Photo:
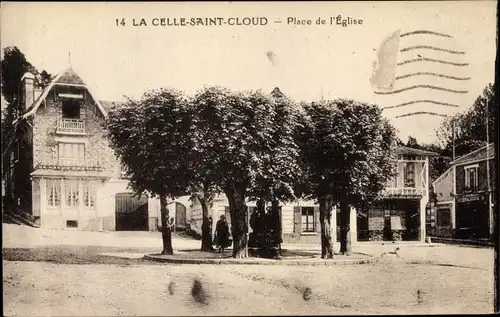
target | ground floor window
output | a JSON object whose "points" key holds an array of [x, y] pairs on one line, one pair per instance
{"points": [[443, 218], [72, 195], [89, 193], [72, 192], [308, 223], [54, 192]]}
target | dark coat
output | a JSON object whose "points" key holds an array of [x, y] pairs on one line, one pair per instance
{"points": [[222, 234]]}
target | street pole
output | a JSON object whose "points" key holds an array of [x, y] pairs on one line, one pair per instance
{"points": [[246, 233], [490, 211], [453, 128]]}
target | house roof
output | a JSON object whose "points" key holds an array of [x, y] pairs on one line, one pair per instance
{"points": [[70, 77], [67, 77], [477, 155], [107, 105], [277, 93], [404, 150], [440, 178]]}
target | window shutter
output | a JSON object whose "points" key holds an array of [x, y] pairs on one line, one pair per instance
{"points": [[316, 219], [297, 219], [81, 151]]}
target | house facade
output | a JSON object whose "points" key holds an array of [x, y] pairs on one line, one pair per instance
{"points": [[465, 199], [63, 174], [399, 216], [442, 216]]}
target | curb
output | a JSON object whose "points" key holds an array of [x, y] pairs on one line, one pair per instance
{"points": [[463, 242], [231, 261]]}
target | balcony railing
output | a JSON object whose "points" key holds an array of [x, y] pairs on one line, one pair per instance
{"points": [[70, 164], [71, 126], [404, 192]]}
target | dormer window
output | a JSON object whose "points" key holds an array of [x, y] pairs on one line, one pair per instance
{"points": [[70, 108]]}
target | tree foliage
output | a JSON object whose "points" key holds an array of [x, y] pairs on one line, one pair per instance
{"points": [[347, 150], [470, 126], [244, 138], [279, 156], [13, 66], [151, 137]]}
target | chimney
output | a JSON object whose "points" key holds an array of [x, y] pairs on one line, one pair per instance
{"points": [[28, 88]]}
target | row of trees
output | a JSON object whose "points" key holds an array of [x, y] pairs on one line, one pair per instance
{"points": [[253, 146]]}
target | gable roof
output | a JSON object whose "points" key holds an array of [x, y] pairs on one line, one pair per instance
{"points": [[477, 155], [67, 77], [277, 93], [70, 77], [440, 178], [107, 105], [404, 150]]}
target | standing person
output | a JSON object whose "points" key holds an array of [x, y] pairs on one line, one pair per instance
{"points": [[222, 234]]}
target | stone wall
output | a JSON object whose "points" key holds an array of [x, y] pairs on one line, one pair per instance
{"points": [[45, 139]]}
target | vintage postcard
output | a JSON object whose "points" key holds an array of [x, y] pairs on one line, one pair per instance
{"points": [[246, 158]]}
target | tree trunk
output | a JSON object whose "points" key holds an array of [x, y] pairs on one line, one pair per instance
{"points": [[278, 233], [275, 209], [261, 205], [166, 230], [239, 226], [206, 227], [325, 217], [345, 229]]}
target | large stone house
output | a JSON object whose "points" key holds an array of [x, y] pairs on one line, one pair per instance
{"points": [[63, 174], [464, 206]]}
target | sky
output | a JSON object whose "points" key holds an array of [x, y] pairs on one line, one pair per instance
{"points": [[307, 62]]}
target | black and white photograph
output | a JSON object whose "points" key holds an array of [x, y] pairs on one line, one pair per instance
{"points": [[249, 158]]}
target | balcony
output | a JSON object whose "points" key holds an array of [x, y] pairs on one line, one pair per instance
{"points": [[70, 126], [70, 164]]}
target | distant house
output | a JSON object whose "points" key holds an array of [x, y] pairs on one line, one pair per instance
{"points": [[441, 216], [464, 206], [63, 174]]}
